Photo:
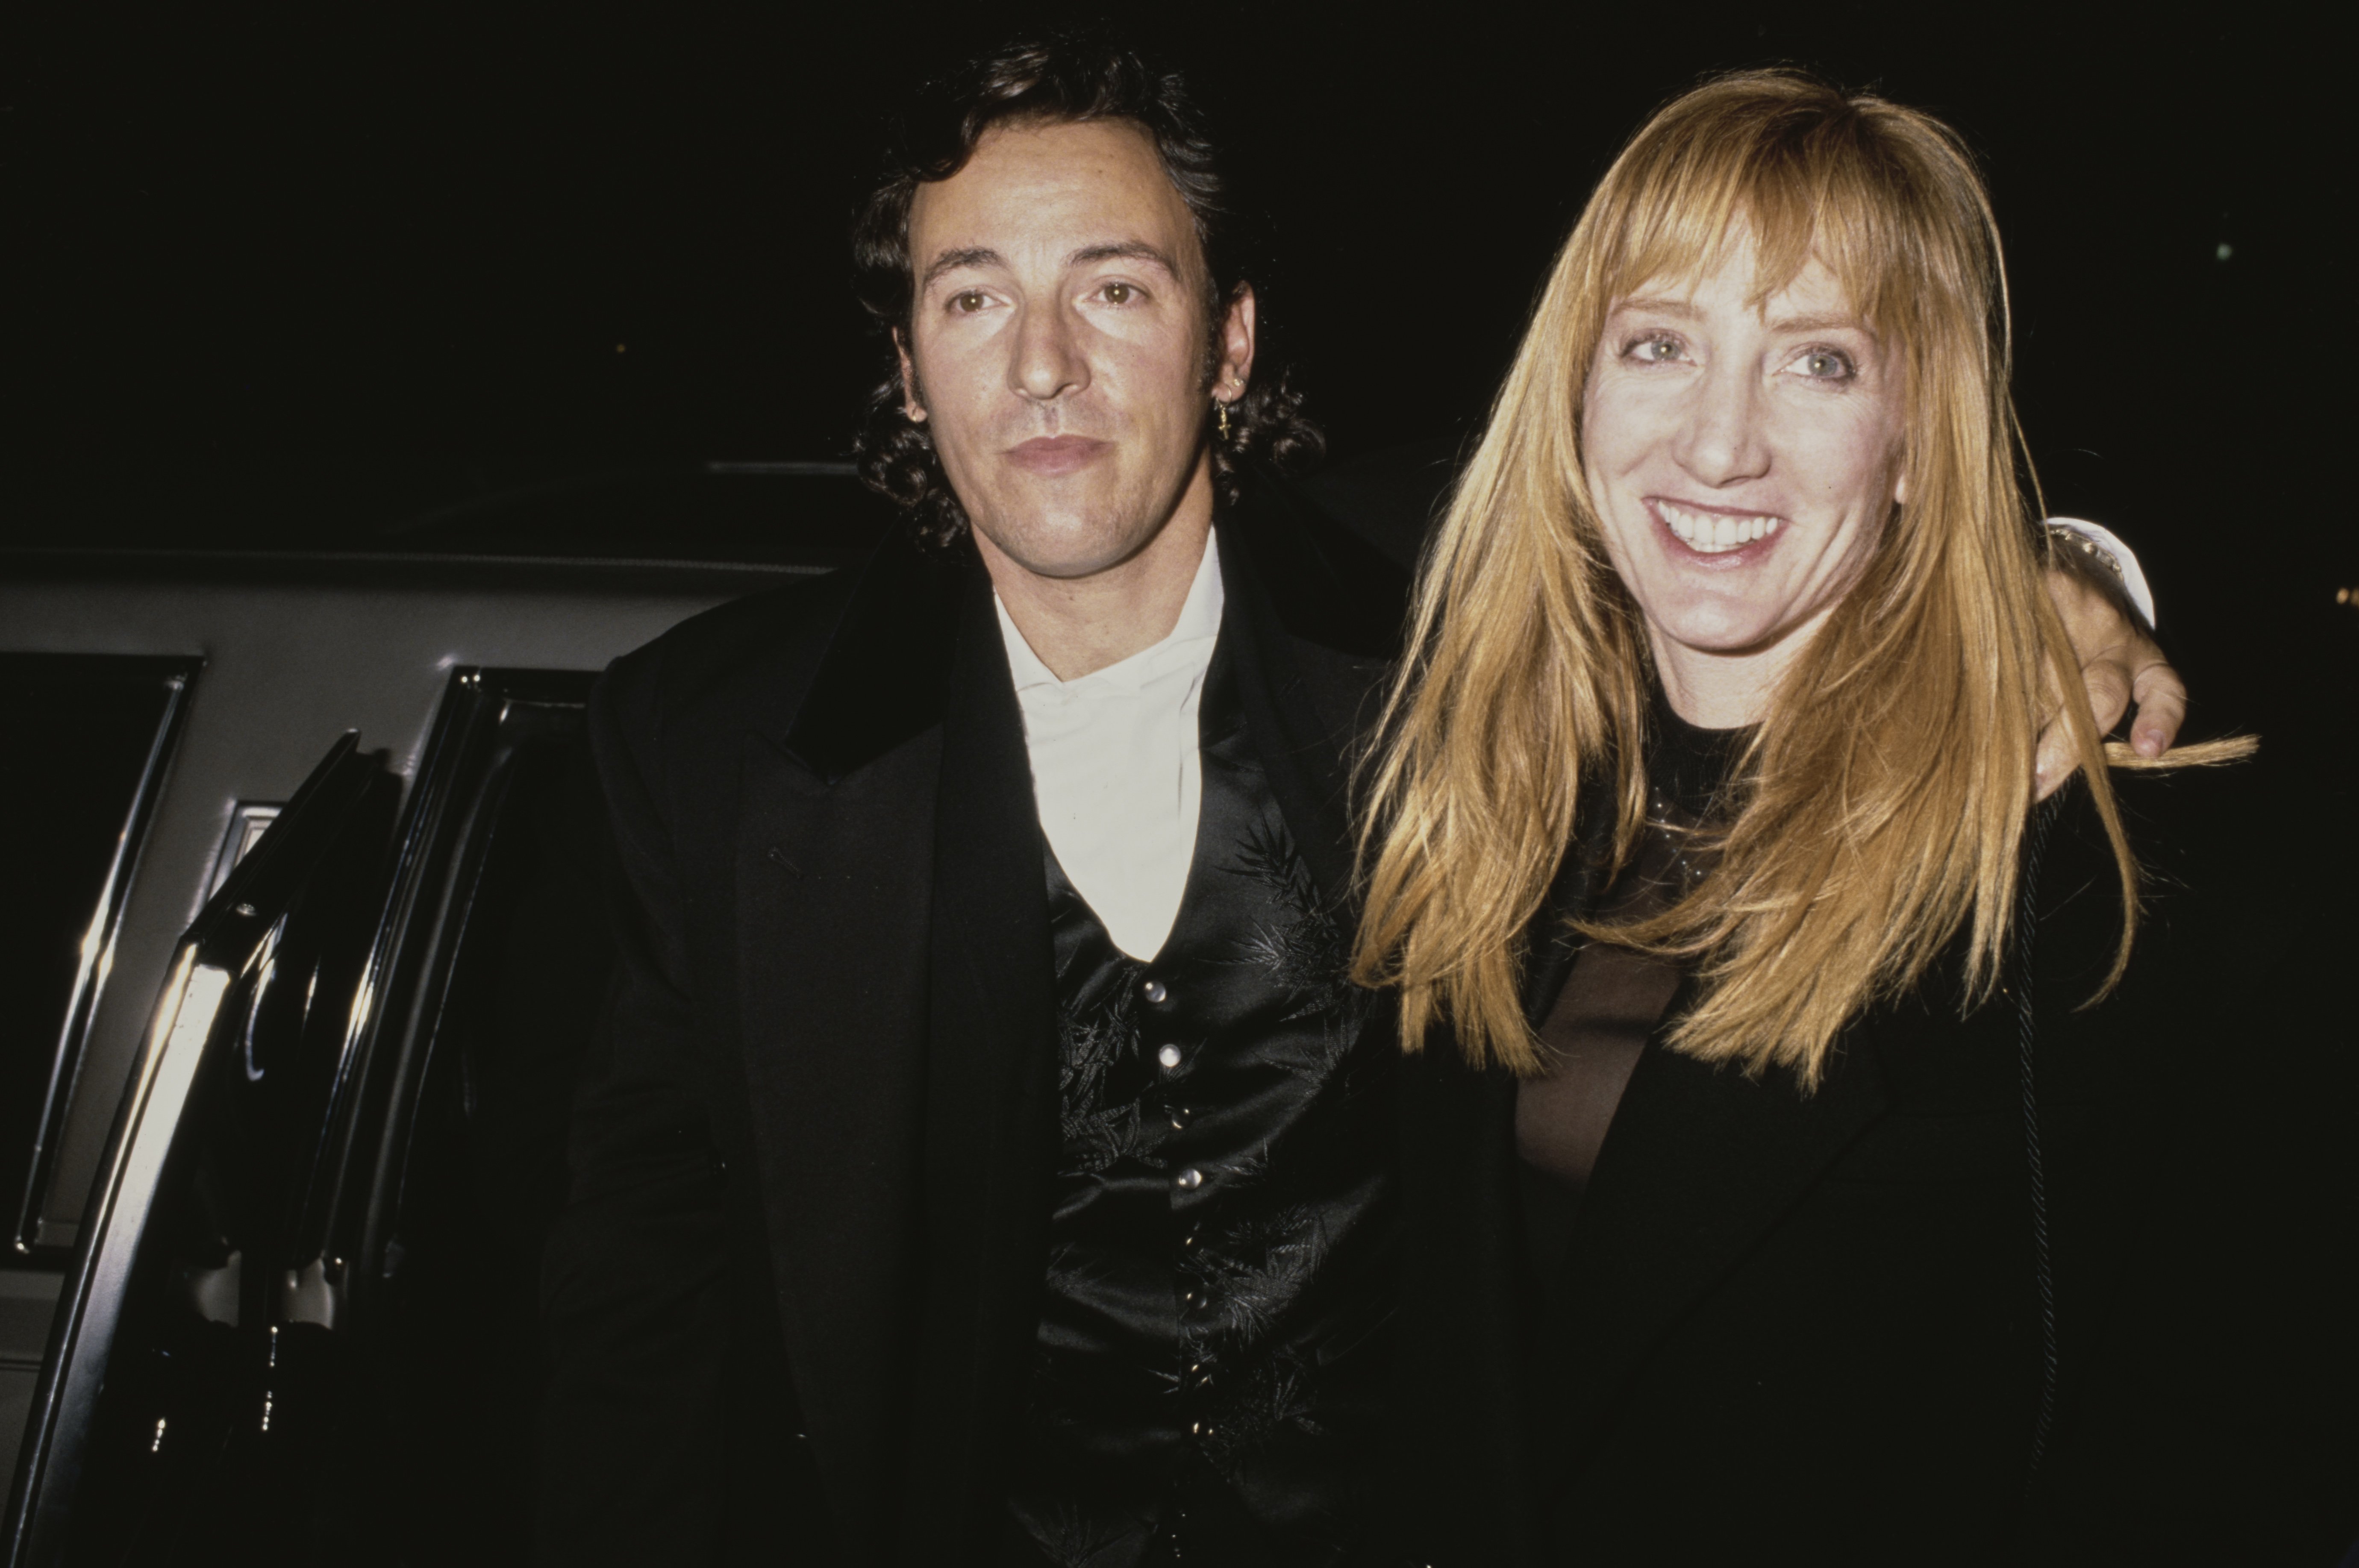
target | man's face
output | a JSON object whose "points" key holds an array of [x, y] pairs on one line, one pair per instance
{"points": [[1056, 349]]}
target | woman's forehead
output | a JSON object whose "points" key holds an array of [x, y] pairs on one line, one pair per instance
{"points": [[1775, 279]]}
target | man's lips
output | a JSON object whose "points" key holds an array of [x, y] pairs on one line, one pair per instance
{"points": [[1717, 535], [1057, 454]]}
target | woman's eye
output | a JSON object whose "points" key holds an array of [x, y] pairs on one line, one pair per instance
{"points": [[1826, 364], [1653, 351]]}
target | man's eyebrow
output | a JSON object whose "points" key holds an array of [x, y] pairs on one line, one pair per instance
{"points": [[1124, 250], [950, 261]]}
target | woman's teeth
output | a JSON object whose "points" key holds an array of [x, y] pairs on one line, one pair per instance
{"points": [[1713, 532]]}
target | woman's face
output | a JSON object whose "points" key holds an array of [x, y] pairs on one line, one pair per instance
{"points": [[1743, 462]]}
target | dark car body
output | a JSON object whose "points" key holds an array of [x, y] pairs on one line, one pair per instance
{"points": [[308, 933]]}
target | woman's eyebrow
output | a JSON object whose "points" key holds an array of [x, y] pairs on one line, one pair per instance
{"points": [[1823, 323], [1661, 304]]}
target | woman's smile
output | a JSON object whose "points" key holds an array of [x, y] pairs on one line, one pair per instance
{"points": [[1719, 536]]}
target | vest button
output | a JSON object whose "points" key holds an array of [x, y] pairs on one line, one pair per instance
{"points": [[1169, 1056], [1155, 991], [1190, 1179]]}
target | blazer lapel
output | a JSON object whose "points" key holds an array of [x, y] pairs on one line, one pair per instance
{"points": [[1465, 1390], [833, 897], [1698, 1163], [1314, 621], [991, 1084]]}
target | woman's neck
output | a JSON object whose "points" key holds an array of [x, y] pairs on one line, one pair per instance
{"points": [[1716, 690]]}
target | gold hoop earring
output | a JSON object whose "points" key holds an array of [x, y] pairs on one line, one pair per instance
{"points": [[1220, 411]]}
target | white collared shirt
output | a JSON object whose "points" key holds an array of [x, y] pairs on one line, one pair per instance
{"points": [[1117, 772]]}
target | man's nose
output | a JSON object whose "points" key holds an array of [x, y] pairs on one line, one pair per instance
{"points": [[1725, 436], [1048, 363]]}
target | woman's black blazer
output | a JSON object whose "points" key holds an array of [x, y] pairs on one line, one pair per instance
{"points": [[2033, 1281]]}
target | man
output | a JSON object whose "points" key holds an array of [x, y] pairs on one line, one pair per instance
{"points": [[981, 1159]]}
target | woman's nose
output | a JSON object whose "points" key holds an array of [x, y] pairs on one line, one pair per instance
{"points": [[1724, 437], [1049, 364]]}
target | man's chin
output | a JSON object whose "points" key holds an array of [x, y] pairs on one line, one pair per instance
{"points": [[1066, 541]]}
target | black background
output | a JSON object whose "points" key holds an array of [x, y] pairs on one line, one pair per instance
{"points": [[288, 279]]}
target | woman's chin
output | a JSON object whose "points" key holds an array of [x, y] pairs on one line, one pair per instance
{"points": [[1713, 633]]}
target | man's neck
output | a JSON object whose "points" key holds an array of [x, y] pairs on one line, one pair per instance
{"points": [[1080, 625]]}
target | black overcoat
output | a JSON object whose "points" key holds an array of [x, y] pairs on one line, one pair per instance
{"points": [[795, 1287], [1820, 1327]]}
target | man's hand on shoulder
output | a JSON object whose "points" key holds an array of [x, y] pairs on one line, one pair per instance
{"points": [[2121, 665]]}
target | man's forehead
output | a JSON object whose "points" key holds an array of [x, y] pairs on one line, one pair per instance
{"points": [[1040, 191]]}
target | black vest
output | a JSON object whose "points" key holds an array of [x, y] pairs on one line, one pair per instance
{"points": [[1208, 1372]]}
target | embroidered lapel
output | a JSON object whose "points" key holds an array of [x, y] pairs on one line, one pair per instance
{"points": [[1314, 621]]}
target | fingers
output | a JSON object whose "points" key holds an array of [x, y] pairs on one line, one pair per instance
{"points": [[2054, 762], [2161, 698], [2108, 680], [2121, 666], [2107, 676]]}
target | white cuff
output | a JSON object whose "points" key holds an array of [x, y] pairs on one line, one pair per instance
{"points": [[2105, 539]]}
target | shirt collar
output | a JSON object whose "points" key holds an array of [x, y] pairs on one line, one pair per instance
{"points": [[1189, 644]]}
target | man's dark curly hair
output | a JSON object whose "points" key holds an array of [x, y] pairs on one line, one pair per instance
{"points": [[1067, 79]]}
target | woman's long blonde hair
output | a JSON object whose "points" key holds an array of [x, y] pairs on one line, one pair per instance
{"points": [[1885, 796]]}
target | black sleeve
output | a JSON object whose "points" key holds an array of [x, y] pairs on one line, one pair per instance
{"points": [[2213, 1418], [636, 1288]]}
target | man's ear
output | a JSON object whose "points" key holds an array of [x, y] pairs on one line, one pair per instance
{"points": [[1237, 329], [911, 404]]}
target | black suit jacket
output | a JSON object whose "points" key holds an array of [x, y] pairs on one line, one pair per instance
{"points": [[1809, 1328], [793, 1293]]}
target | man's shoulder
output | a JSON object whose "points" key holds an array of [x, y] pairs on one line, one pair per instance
{"points": [[1329, 587], [730, 662]]}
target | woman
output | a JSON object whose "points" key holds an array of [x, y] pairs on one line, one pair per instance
{"points": [[1764, 1175]]}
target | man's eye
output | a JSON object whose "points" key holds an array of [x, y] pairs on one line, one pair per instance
{"points": [[967, 303], [1118, 293]]}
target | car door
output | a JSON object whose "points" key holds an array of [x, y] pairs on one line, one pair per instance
{"points": [[450, 1165], [309, 1288], [186, 1392]]}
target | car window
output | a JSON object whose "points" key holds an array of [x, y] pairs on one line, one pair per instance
{"points": [[84, 741]]}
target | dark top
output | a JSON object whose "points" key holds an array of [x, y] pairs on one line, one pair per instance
{"points": [[1615, 997], [1208, 1364]]}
